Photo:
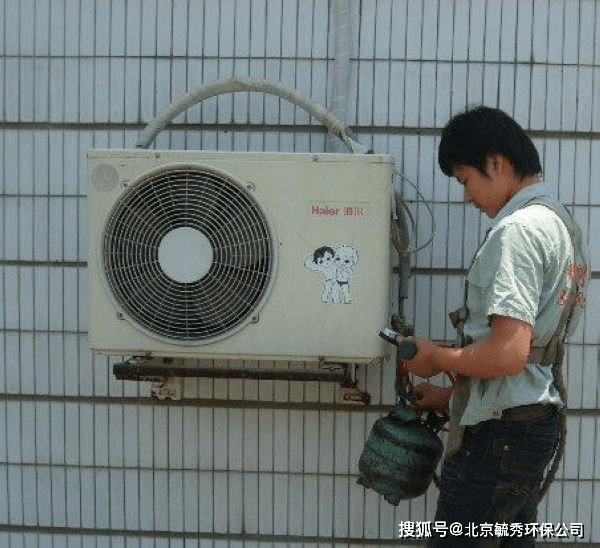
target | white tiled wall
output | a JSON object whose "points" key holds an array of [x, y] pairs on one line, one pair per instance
{"points": [[86, 460]]}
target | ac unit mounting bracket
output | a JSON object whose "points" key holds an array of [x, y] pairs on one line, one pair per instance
{"points": [[160, 370]]}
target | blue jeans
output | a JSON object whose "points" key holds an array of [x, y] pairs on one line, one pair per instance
{"points": [[494, 478]]}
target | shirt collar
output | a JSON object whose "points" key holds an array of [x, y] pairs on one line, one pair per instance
{"points": [[524, 195]]}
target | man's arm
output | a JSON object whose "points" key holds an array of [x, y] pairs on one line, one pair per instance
{"points": [[503, 352]]}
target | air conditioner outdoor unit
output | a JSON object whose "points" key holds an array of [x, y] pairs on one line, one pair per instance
{"points": [[239, 255]]}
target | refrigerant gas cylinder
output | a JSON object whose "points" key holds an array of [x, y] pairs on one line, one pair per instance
{"points": [[400, 456]]}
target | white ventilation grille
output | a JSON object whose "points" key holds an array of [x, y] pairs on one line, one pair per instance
{"points": [[188, 253]]}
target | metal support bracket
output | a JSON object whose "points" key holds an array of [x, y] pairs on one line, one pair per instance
{"points": [[167, 376]]}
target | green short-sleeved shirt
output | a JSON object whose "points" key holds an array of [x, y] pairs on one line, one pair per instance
{"points": [[523, 270]]}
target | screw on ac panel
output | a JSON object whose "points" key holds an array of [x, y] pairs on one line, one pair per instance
{"points": [[120, 316], [250, 186], [254, 319]]}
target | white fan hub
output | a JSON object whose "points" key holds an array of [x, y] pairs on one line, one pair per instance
{"points": [[185, 255]]}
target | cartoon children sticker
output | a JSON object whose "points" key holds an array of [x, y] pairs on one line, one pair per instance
{"points": [[338, 268], [322, 261]]}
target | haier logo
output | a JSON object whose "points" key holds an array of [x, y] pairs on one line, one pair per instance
{"points": [[336, 210]]}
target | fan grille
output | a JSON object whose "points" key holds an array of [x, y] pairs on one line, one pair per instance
{"points": [[221, 210]]}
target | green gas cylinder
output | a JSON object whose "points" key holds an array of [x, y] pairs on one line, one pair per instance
{"points": [[400, 455]]}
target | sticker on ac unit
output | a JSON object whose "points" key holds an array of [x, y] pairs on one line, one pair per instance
{"points": [[338, 266]]}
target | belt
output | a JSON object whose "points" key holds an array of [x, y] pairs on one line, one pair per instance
{"points": [[523, 413]]}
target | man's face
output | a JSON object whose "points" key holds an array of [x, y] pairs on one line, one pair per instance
{"points": [[485, 191]]}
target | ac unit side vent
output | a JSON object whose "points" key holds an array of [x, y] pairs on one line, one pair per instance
{"points": [[210, 220]]}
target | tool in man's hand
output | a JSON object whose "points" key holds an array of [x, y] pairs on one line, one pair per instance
{"points": [[407, 348]]}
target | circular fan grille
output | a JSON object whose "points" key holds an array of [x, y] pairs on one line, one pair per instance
{"points": [[186, 215]]}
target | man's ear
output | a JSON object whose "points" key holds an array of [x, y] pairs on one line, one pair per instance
{"points": [[495, 163], [499, 164]]}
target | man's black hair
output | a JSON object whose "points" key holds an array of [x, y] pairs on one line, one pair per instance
{"points": [[470, 136]]}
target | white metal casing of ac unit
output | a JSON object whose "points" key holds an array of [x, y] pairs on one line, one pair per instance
{"points": [[311, 202]]}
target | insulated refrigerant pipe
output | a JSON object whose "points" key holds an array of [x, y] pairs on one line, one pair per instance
{"points": [[341, 65], [236, 83]]}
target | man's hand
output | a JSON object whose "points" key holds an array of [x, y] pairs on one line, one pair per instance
{"points": [[422, 363], [430, 396]]}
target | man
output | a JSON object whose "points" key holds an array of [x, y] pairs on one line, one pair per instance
{"points": [[505, 409]]}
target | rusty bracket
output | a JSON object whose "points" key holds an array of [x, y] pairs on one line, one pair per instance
{"points": [[160, 370]]}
